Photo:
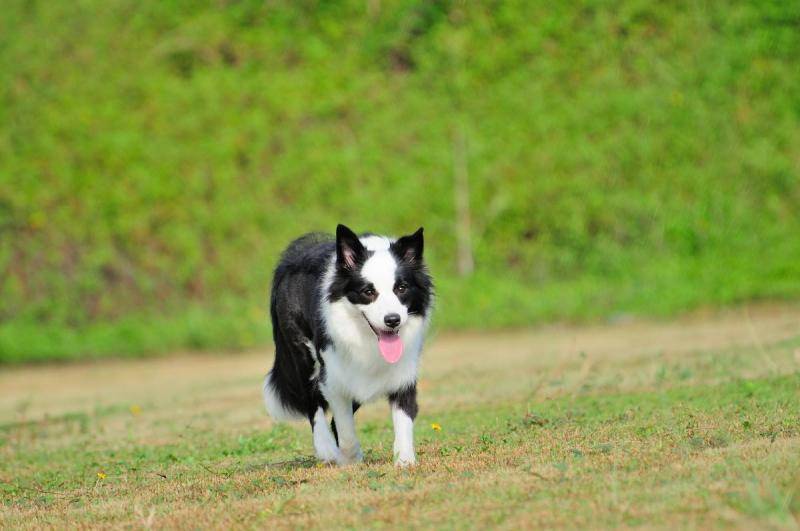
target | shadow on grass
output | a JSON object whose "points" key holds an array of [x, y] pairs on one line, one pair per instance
{"points": [[303, 461], [309, 461]]}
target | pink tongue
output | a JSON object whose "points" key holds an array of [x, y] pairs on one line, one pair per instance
{"points": [[391, 346]]}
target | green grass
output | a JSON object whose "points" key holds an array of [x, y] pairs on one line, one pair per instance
{"points": [[155, 157], [230, 327], [669, 435]]}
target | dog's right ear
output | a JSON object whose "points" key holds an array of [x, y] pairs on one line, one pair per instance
{"points": [[409, 248], [349, 250]]}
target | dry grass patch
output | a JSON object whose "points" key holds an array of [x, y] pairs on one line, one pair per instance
{"points": [[692, 424]]}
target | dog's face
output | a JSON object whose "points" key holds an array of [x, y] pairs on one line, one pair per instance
{"points": [[385, 281]]}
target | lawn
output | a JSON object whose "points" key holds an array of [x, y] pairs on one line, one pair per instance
{"points": [[689, 423]]}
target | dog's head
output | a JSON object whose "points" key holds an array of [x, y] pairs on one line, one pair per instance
{"points": [[385, 280]]}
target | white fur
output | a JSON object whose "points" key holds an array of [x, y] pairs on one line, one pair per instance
{"points": [[376, 243], [342, 409], [380, 270], [274, 405], [363, 379], [354, 367], [313, 351], [324, 443], [403, 438]]}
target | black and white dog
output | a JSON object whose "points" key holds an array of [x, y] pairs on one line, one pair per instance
{"points": [[348, 317]]}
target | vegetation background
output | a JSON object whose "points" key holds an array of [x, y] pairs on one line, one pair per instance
{"points": [[625, 157]]}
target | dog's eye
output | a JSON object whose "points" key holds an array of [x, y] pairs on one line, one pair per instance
{"points": [[368, 292], [401, 288]]}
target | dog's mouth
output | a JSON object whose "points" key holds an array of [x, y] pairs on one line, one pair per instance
{"points": [[390, 344]]}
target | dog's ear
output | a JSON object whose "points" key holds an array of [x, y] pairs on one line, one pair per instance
{"points": [[349, 250], [409, 248]]}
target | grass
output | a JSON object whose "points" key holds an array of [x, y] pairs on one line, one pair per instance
{"points": [[693, 423], [156, 157]]}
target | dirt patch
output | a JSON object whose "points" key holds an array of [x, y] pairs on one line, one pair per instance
{"points": [[450, 360]]}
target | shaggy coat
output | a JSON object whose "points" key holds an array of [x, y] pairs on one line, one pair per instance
{"points": [[349, 317]]}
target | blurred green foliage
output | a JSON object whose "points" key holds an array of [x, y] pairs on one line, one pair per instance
{"points": [[155, 157]]}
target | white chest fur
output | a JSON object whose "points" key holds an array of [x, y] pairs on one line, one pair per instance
{"points": [[354, 367]]}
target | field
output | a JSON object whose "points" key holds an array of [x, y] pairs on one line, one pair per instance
{"points": [[690, 423]]}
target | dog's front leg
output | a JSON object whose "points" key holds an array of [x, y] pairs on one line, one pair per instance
{"points": [[346, 429], [324, 444], [404, 411]]}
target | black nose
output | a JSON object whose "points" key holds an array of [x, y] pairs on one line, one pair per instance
{"points": [[392, 320]]}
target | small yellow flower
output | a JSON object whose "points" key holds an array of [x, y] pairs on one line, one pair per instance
{"points": [[436, 427], [136, 410], [101, 475]]}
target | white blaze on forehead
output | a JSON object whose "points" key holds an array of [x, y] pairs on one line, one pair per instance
{"points": [[376, 243], [380, 269]]}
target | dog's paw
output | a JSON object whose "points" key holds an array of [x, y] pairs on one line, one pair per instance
{"points": [[330, 456], [405, 461], [326, 450], [351, 455]]}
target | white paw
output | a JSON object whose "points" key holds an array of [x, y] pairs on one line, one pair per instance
{"points": [[325, 447], [351, 454], [405, 460], [329, 455]]}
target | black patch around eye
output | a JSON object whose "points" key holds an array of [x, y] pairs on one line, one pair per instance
{"points": [[349, 283], [418, 285], [353, 286], [369, 293], [358, 292]]}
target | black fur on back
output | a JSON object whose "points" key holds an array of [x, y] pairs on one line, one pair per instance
{"points": [[295, 311]]}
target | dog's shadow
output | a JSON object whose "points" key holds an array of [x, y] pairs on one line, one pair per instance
{"points": [[303, 461], [309, 461]]}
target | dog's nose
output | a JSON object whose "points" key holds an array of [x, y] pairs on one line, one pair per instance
{"points": [[392, 320]]}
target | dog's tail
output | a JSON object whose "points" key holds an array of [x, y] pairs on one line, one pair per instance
{"points": [[275, 405]]}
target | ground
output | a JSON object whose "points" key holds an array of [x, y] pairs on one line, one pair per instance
{"points": [[688, 423]]}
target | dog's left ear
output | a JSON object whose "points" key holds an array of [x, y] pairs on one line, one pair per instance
{"points": [[349, 250], [409, 248]]}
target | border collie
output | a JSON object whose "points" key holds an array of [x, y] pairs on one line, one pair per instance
{"points": [[348, 318]]}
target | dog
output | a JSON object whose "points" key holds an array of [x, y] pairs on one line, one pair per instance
{"points": [[349, 316]]}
